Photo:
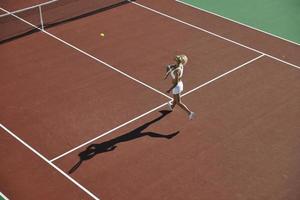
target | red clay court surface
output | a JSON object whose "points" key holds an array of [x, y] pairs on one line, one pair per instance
{"points": [[12, 6], [94, 132]]}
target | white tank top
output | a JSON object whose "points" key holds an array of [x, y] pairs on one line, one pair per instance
{"points": [[179, 69]]}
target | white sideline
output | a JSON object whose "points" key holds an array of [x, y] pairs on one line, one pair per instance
{"points": [[106, 133], [218, 77], [214, 34], [28, 8], [46, 160], [204, 10], [150, 111], [3, 196], [89, 55], [72, 46]]}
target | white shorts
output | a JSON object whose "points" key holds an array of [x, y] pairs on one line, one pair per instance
{"points": [[178, 89]]}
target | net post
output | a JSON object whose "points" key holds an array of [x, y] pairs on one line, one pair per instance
{"points": [[41, 17]]}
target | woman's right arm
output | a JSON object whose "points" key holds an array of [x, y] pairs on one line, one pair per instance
{"points": [[169, 69]]}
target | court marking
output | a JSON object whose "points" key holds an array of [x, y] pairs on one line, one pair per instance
{"points": [[89, 55], [218, 77], [178, 1], [214, 34], [152, 110], [108, 132], [29, 8], [50, 163], [40, 155], [251, 27], [3, 196]]}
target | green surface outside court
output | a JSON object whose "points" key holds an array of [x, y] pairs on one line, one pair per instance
{"points": [[1, 197], [278, 17]]}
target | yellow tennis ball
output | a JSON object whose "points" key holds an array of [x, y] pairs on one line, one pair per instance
{"points": [[102, 34]]}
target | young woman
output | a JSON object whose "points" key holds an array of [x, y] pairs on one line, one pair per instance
{"points": [[176, 71]]}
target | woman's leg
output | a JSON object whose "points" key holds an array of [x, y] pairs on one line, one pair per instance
{"points": [[174, 101], [184, 107]]}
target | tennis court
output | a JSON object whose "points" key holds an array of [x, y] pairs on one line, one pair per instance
{"points": [[84, 116]]}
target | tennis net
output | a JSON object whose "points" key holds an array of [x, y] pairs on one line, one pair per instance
{"points": [[49, 14]]}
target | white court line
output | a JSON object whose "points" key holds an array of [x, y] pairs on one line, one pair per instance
{"points": [[108, 132], [211, 33], [3, 196], [106, 64], [50, 162], [218, 77], [89, 55], [28, 8], [256, 29], [150, 111], [46, 160]]}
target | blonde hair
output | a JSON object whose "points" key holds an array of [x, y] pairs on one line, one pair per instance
{"points": [[181, 59]]}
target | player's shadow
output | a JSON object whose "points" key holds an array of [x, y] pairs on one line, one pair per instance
{"points": [[110, 145]]}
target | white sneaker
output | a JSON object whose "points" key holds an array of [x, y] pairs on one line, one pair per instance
{"points": [[191, 116], [170, 106]]}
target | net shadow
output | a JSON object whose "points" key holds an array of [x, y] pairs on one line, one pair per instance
{"points": [[64, 12]]}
